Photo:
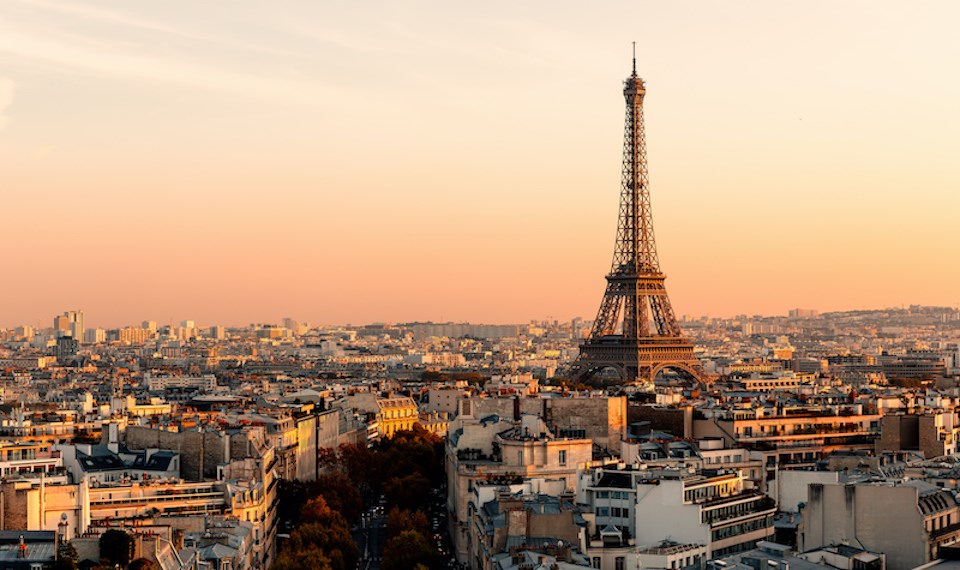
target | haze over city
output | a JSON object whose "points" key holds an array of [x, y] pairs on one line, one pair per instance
{"points": [[356, 162], [376, 286]]}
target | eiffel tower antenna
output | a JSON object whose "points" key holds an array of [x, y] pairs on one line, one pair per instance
{"points": [[636, 332]]}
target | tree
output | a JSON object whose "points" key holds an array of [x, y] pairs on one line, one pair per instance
{"points": [[399, 520], [361, 465], [292, 496], [415, 450], [116, 547], [333, 539], [340, 494], [358, 462], [316, 510], [407, 550], [308, 559], [66, 556], [325, 529], [406, 492]]}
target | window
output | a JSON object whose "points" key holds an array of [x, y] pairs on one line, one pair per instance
{"points": [[619, 563], [563, 457], [520, 457], [596, 562]]}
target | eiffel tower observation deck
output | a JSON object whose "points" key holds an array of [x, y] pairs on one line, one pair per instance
{"points": [[636, 332]]}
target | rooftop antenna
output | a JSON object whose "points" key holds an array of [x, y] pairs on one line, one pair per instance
{"points": [[634, 58]]}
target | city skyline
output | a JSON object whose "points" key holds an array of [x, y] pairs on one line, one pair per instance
{"points": [[178, 322], [431, 163]]}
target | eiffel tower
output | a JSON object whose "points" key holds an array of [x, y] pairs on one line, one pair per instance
{"points": [[647, 339]]}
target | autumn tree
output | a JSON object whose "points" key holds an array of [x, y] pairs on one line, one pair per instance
{"points": [[308, 559], [399, 520], [337, 489], [406, 492], [413, 451], [340, 494], [326, 530], [407, 550], [358, 462]]}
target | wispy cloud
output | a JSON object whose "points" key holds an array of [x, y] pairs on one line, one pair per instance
{"points": [[119, 20], [96, 40], [6, 99], [161, 69]]}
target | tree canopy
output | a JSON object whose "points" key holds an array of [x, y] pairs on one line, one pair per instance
{"points": [[116, 547]]}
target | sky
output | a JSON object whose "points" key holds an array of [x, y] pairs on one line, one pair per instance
{"points": [[354, 162]]}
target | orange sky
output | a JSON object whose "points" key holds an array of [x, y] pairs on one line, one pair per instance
{"points": [[356, 162]]}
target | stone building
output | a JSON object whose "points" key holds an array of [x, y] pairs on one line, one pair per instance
{"points": [[511, 517], [489, 449], [602, 419], [907, 521], [933, 434]]}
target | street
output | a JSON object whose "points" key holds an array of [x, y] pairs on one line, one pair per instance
{"points": [[369, 535]]}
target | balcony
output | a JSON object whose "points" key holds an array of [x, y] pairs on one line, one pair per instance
{"points": [[744, 505], [185, 498], [812, 433]]}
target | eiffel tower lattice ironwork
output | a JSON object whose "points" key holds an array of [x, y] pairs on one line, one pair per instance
{"points": [[647, 339]]}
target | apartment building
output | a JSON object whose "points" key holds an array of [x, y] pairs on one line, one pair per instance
{"points": [[707, 507], [27, 460], [536, 514], [934, 433], [908, 521], [796, 437], [677, 507], [490, 449], [396, 414]]}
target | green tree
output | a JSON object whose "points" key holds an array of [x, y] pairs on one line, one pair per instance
{"points": [[116, 547], [66, 557]]}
